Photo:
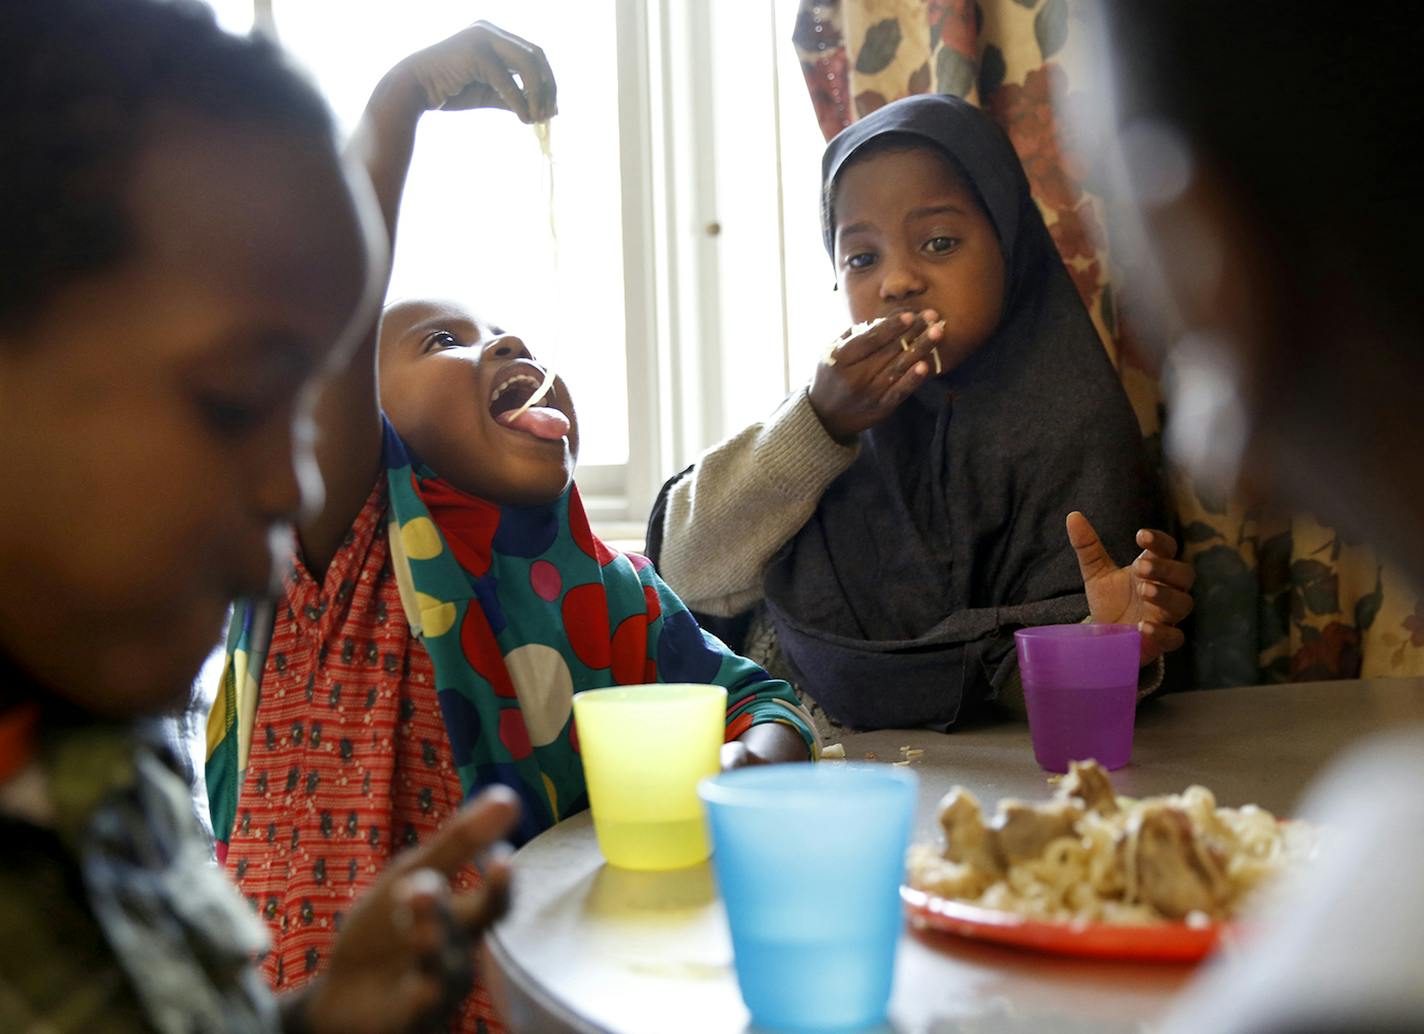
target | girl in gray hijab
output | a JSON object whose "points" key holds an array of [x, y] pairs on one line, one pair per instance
{"points": [[902, 515]]}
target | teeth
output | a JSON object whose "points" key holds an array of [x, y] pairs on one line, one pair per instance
{"points": [[518, 378]]}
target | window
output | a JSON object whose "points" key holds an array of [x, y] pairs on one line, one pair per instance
{"points": [[688, 289], [752, 175]]}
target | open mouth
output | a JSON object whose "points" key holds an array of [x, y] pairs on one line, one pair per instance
{"points": [[511, 393], [509, 404]]}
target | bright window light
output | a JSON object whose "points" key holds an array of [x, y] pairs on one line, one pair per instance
{"points": [[475, 222], [233, 15]]}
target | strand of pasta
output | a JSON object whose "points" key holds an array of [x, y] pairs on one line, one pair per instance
{"points": [[542, 134]]}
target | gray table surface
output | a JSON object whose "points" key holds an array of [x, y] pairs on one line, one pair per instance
{"points": [[588, 947]]}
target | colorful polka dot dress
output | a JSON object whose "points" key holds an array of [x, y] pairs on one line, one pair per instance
{"points": [[438, 655]]}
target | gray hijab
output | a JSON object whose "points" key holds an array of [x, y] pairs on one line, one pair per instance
{"points": [[897, 600]]}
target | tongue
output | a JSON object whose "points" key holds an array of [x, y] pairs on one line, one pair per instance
{"points": [[540, 421]]}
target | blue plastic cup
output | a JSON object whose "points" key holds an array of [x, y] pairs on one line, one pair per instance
{"points": [[809, 859]]}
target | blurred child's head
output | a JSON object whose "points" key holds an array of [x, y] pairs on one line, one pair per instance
{"points": [[181, 252], [1287, 227], [910, 223], [454, 388]]}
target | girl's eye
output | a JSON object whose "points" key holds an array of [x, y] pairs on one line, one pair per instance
{"points": [[229, 419], [861, 260], [941, 245], [441, 339]]}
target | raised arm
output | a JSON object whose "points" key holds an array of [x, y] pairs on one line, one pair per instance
{"points": [[479, 67], [722, 522]]}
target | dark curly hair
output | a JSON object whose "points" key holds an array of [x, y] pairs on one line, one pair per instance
{"points": [[79, 82]]}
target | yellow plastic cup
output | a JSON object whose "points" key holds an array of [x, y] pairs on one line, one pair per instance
{"points": [[645, 749]]}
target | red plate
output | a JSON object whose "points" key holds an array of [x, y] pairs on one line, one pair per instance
{"points": [[1155, 942]]}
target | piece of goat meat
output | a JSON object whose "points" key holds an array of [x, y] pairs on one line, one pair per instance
{"points": [[1088, 781], [1168, 867], [1021, 831]]}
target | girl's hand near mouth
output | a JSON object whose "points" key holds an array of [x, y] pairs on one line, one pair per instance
{"points": [[872, 369]]}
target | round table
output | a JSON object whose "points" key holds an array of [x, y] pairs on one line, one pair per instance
{"points": [[591, 948]]}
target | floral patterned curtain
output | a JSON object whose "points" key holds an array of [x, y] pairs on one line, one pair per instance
{"points": [[1278, 598]]}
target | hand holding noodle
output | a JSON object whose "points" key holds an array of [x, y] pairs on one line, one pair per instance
{"points": [[483, 66], [872, 368], [1091, 856]]}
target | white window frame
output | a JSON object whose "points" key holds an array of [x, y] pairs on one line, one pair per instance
{"points": [[728, 107]]}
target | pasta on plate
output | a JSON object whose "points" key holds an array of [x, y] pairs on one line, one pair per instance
{"points": [[1090, 856]]}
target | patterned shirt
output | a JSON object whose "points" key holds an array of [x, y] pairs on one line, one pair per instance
{"points": [[111, 918], [350, 762], [355, 753]]}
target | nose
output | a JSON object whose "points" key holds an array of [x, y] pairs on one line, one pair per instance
{"points": [[288, 483], [505, 347], [900, 279]]}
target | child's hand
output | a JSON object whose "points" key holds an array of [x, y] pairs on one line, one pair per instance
{"points": [[476, 68], [406, 954], [1153, 592], [769, 743], [870, 371]]}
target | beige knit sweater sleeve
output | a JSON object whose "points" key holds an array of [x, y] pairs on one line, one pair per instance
{"points": [[743, 500]]}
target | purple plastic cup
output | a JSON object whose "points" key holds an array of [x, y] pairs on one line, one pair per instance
{"points": [[1080, 685]]}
